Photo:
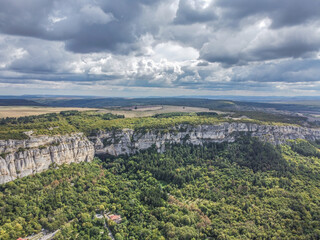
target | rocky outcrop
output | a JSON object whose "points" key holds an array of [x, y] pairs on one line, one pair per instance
{"points": [[19, 158], [127, 141]]}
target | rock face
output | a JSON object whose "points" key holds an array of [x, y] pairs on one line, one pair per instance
{"points": [[20, 158], [127, 141]]}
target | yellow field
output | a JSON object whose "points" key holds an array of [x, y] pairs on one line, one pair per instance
{"points": [[146, 111], [17, 111], [141, 111]]}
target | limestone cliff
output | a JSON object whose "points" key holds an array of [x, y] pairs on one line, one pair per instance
{"points": [[20, 158], [127, 141]]}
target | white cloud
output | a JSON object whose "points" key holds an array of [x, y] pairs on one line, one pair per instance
{"points": [[175, 52], [213, 46]]}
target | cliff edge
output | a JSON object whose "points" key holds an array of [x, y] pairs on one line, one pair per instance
{"points": [[19, 158], [128, 141]]}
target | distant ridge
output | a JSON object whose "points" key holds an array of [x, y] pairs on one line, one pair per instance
{"points": [[213, 104], [19, 102]]}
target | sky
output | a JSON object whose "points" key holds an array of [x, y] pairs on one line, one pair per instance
{"points": [[140, 48]]}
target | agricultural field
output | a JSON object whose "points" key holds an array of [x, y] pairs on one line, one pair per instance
{"points": [[147, 111], [23, 111], [128, 112]]}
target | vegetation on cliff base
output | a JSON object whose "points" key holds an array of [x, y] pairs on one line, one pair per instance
{"points": [[217, 191]]}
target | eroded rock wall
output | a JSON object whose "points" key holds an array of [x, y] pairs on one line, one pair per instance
{"points": [[127, 141], [21, 158]]}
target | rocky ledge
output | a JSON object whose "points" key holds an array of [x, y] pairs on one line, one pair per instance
{"points": [[19, 158], [128, 141]]}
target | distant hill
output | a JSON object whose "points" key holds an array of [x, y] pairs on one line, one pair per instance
{"points": [[19, 102], [226, 105]]}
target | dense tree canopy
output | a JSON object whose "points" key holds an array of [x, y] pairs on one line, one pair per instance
{"points": [[242, 190]]}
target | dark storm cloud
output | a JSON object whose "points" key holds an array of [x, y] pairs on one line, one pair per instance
{"points": [[119, 35], [29, 76], [25, 18], [289, 29], [190, 12], [295, 47], [116, 26], [40, 57], [290, 71], [202, 63], [106, 25], [282, 13], [297, 42]]}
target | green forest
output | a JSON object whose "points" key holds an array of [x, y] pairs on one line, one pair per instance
{"points": [[242, 190], [90, 122]]}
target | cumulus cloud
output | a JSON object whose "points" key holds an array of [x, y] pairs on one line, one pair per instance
{"points": [[197, 45]]}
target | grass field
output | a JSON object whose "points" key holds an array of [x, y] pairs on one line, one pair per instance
{"points": [[17, 111], [147, 111], [140, 111]]}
